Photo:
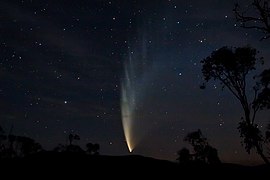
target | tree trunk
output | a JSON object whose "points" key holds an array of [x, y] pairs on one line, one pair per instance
{"points": [[259, 150], [247, 115]]}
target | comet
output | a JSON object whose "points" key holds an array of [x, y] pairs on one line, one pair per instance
{"points": [[128, 103], [132, 91]]}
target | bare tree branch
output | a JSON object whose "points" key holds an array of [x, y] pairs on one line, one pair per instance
{"points": [[260, 20]]}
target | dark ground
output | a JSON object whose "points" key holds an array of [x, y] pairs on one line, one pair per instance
{"points": [[74, 166]]}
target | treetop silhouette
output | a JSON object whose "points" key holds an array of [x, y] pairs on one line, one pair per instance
{"points": [[255, 16], [203, 151], [231, 67]]}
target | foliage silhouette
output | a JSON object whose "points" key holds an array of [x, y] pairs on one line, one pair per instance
{"points": [[184, 156], [1, 130], [48, 162], [198, 142], [26, 146], [203, 152], [74, 149], [60, 148], [231, 67], [92, 149], [12, 146], [212, 155], [255, 16], [73, 137], [70, 147], [267, 138]]}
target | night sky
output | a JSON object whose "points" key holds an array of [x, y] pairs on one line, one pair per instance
{"points": [[62, 64]]}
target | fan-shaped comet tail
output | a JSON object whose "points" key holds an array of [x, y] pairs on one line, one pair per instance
{"points": [[128, 104], [135, 66]]}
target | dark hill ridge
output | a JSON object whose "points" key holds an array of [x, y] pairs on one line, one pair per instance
{"points": [[132, 166]]}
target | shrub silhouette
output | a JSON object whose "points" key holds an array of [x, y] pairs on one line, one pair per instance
{"points": [[184, 156], [70, 147], [73, 137], [203, 152], [12, 146], [92, 149]]}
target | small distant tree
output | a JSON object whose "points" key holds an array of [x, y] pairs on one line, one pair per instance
{"points": [[73, 137], [3, 139], [212, 155], [267, 138], [12, 146], [231, 67], [60, 148], [184, 156], [18, 146], [2, 131], [203, 152], [71, 147], [25, 146], [198, 142], [255, 16], [92, 149]]}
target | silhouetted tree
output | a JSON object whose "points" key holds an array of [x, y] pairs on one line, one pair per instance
{"points": [[92, 149], [267, 138], [255, 16], [18, 146], [211, 155], [1, 130], [26, 146], [10, 150], [73, 137], [2, 135], [74, 149], [3, 139], [70, 147], [203, 152], [198, 142], [184, 156], [231, 67], [60, 148]]}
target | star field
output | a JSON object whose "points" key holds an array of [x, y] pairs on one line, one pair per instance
{"points": [[61, 65]]}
